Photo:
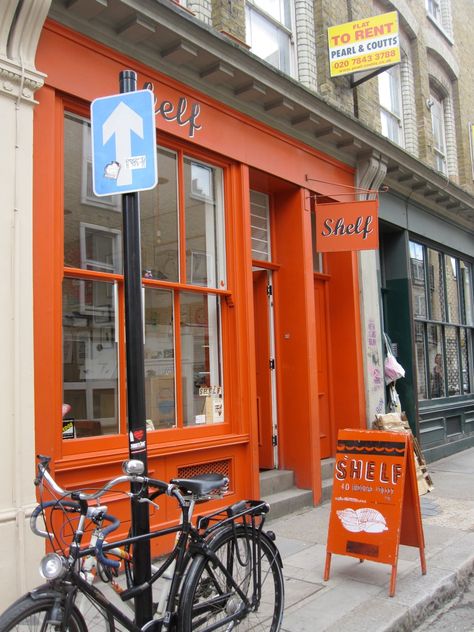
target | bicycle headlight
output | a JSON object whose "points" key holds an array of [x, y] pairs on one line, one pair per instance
{"points": [[52, 566]]}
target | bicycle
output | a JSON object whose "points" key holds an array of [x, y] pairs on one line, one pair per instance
{"points": [[224, 572]]}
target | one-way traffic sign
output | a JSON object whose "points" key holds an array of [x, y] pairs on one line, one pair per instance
{"points": [[123, 143]]}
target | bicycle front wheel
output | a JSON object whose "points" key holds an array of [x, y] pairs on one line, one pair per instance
{"points": [[34, 615], [210, 601]]}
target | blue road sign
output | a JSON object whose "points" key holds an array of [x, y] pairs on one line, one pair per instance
{"points": [[123, 143]]}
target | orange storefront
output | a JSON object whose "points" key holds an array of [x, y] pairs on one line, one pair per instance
{"points": [[252, 339]]}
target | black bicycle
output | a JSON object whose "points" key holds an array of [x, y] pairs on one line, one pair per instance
{"points": [[224, 572]]}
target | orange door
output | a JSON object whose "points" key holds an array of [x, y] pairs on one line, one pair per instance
{"points": [[323, 367], [262, 357]]}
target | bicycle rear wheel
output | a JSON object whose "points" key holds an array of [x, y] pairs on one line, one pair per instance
{"points": [[209, 601], [32, 615]]}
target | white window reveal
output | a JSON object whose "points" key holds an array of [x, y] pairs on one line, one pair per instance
{"points": [[269, 26]]}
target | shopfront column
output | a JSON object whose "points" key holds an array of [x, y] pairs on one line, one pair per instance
{"points": [[19, 80], [370, 174]]}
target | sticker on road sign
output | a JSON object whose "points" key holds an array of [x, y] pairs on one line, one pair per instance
{"points": [[123, 143]]}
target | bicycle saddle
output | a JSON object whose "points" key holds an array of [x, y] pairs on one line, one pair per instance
{"points": [[203, 484]]}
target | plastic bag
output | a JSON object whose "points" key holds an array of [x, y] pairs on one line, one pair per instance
{"points": [[393, 370]]}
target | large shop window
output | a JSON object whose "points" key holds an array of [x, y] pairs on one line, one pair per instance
{"points": [[442, 297], [184, 281]]}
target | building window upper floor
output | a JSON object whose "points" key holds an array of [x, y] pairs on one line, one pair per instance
{"points": [[439, 11], [391, 107], [270, 32]]}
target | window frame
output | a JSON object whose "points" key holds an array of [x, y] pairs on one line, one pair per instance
{"points": [[462, 328], [390, 113], [289, 31], [183, 150], [440, 141]]}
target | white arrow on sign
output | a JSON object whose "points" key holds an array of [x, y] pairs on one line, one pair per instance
{"points": [[122, 122]]}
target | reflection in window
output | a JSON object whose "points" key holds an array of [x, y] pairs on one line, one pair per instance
{"points": [[436, 359], [159, 222], [436, 285], [92, 225], [201, 359], [420, 360], [444, 332], [453, 361], [439, 132], [390, 97], [417, 265], [268, 27], [90, 356], [466, 289], [205, 255], [159, 358]]}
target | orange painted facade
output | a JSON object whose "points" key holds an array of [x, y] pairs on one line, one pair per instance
{"points": [[316, 316]]}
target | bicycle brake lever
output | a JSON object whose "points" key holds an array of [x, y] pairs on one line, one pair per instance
{"points": [[147, 500]]}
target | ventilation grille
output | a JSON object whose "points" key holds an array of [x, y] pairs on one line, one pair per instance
{"points": [[218, 467]]}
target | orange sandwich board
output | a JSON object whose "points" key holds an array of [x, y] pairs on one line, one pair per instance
{"points": [[375, 504]]}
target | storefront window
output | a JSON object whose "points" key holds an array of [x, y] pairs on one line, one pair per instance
{"points": [[183, 363], [204, 226], [159, 222], [200, 360], [443, 331], [260, 226], [159, 359], [436, 286], [90, 367], [420, 360]]}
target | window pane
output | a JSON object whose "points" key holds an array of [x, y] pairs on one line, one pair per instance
{"points": [[159, 359], [452, 290], [159, 222], [268, 41], [201, 359], [465, 371], [260, 226], [205, 255], [92, 225], [420, 361], [417, 266], [436, 285], [90, 356], [435, 353], [467, 297], [279, 10], [452, 360]]}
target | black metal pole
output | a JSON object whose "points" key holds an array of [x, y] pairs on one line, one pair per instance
{"points": [[136, 376]]}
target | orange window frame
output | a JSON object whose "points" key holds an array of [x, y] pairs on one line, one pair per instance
{"points": [[179, 433]]}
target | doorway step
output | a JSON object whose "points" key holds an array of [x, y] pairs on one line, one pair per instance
{"points": [[327, 474], [277, 487]]}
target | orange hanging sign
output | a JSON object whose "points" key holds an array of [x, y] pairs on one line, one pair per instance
{"points": [[347, 226], [375, 504]]}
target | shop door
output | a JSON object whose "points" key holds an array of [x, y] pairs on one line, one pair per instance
{"points": [[323, 368], [265, 367]]}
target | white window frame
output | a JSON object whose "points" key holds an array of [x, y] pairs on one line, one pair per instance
{"points": [[439, 12], [388, 106], [252, 6], [438, 114]]}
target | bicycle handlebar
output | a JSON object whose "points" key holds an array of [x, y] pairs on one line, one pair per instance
{"points": [[99, 554]]}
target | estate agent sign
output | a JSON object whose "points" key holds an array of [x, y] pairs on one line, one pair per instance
{"points": [[364, 44], [375, 504]]}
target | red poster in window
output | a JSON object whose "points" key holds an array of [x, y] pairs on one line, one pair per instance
{"points": [[347, 226]]}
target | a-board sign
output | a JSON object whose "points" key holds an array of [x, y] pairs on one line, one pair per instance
{"points": [[375, 504]]}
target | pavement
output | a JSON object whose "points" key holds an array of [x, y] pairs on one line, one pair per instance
{"points": [[356, 596]]}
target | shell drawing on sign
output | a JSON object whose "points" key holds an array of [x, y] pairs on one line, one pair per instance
{"points": [[357, 520]]}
